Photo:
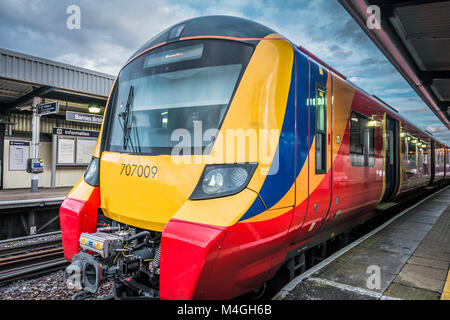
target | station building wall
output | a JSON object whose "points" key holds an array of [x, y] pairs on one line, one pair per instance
{"points": [[65, 176]]}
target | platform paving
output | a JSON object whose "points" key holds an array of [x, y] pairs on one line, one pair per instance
{"points": [[412, 254], [13, 198]]}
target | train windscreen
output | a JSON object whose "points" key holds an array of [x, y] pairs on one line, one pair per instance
{"points": [[175, 95]]}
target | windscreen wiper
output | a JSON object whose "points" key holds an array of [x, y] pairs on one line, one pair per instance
{"points": [[125, 116], [136, 133]]}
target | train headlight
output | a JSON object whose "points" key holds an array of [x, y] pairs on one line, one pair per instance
{"points": [[223, 180], [92, 172], [213, 181]]}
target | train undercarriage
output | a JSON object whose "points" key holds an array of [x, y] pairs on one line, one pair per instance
{"points": [[129, 256]]}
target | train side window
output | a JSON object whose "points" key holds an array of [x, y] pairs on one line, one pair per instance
{"points": [[362, 141], [419, 157], [390, 143], [438, 157], [411, 151], [321, 131], [424, 154], [441, 157]]}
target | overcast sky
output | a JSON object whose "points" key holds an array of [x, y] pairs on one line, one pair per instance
{"points": [[112, 30]]}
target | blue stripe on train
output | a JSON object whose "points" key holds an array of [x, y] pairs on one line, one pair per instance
{"points": [[282, 172], [277, 185]]}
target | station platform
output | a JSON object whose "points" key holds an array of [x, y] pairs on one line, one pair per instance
{"points": [[406, 258], [20, 198]]}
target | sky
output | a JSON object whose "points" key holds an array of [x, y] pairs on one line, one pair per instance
{"points": [[110, 31]]}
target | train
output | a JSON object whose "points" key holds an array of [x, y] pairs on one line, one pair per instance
{"points": [[170, 208]]}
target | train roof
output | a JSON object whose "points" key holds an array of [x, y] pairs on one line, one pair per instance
{"points": [[218, 25], [394, 112], [378, 100], [239, 28]]}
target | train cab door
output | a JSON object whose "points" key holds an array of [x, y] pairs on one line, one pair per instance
{"points": [[391, 158], [319, 170]]}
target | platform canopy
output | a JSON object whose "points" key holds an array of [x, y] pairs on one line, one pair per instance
{"points": [[23, 77], [415, 37]]}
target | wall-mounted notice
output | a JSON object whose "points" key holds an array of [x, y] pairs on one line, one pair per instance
{"points": [[74, 147], [66, 150], [19, 152], [85, 148]]}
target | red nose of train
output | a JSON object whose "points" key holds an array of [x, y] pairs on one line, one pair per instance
{"points": [[188, 253]]}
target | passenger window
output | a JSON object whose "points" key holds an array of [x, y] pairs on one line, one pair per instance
{"points": [[420, 156], [441, 157], [425, 153], [321, 131], [391, 147], [411, 151], [362, 140]]}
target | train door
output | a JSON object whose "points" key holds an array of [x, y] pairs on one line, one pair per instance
{"points": [[433, 161], [447, 163], [391, 158]]}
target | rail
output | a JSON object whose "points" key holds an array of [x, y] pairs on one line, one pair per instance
{"points": [[31, 259]]}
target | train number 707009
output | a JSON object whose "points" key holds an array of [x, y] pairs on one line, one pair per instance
{"points": [[138, 170]]}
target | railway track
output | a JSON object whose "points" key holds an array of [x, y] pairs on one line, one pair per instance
{"points": [[29, 247], [30, 259]]}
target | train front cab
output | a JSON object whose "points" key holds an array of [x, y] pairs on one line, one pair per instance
{"points": [[194, 231]]}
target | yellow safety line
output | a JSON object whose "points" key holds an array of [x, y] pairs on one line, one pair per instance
{"points": [[446, 291]]}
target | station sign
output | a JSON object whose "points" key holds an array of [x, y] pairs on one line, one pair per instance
{"points": [[47, 108], [75, 133], [83, 117]]}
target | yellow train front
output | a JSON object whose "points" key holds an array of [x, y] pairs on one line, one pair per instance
{"points": [[190, 134]]}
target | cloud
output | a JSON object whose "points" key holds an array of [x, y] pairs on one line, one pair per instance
{"points": [[436, 129], [417, 110], [112, 30]]}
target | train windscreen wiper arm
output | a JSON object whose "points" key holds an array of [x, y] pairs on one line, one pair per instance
{"points": [[125, 116]]}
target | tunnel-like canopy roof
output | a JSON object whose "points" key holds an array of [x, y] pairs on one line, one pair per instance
{"points": [[23, 77], [415, 37]]}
